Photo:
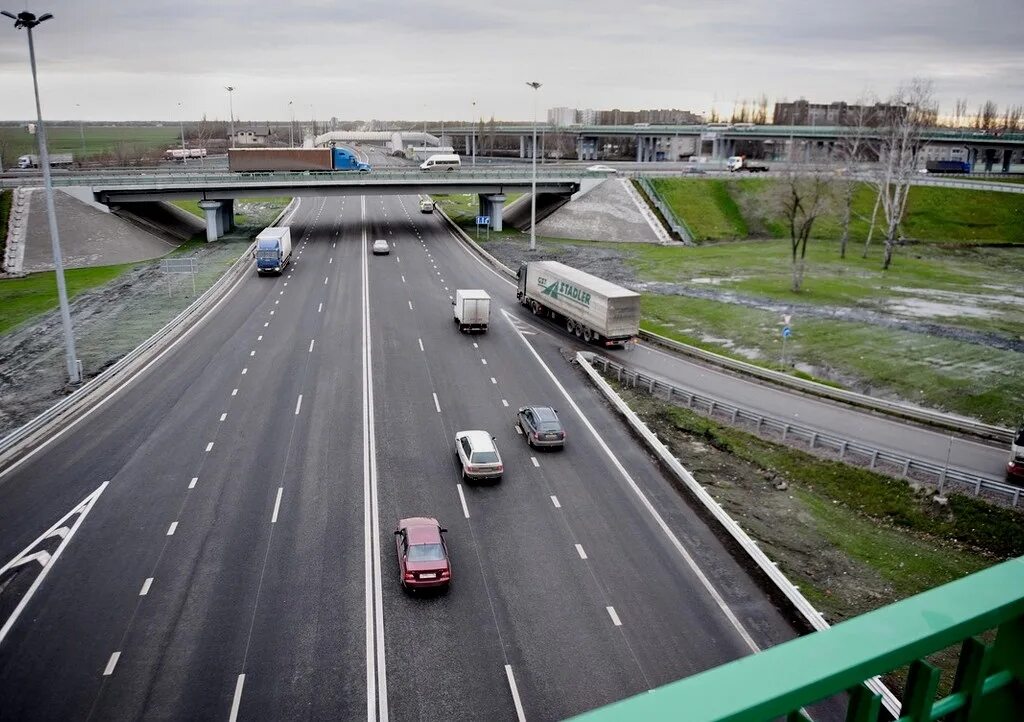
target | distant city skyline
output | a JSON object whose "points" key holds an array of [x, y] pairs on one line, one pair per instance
{"points": [[117, 61]]}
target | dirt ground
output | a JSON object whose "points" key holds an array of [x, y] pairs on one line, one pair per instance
{"points": [[109, 321]]}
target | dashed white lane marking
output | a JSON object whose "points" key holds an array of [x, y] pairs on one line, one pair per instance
{"points": [[252, 353], [421, 343], [462, 498], [410, 305], [285, 283], [245, 371], [494, 380], [311, 342], [209, 446], [275, 303], [403, 279], [238, 698], [259, 338], [172, 528], [437, 404], [320, 308], [397, 259], [333, 244], [483, 361], [475, 345], [534, 460], [518, 430], [145, 587], [271, 313], [266, 324], [277, 505], [554, 500], [615, 617], [583, 554], [330, 260], [281, 293], [298, 404], [192, 484], [234, 392], [111, 663], [325, 279], [520, 715], [504, 402], [223, 416]]}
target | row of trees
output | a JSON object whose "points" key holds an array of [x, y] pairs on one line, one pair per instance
{"points": [[802, 197]]}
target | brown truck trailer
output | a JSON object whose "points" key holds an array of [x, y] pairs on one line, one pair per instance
{"points": [[252, 160]]}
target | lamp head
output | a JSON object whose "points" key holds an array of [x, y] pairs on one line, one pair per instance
{"points": [[25, 19], [533, 85]]}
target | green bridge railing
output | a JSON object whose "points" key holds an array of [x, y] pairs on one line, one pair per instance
{"points": [[780, 682]]}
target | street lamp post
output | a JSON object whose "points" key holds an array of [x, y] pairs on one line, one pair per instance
{"points": [[473, 141], [533, 182], [291, 128], [181, 126], [28, 21], [231, 113], [81, 130]]}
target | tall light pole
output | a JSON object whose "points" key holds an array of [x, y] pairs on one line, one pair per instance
{"points": [[231, 113], [28, 21], [473, 141], [181, 125], [81, 130], [291, 128], [533, 183]]}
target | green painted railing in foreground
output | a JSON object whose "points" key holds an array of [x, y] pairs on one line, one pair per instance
{"points": [[988, 687]]}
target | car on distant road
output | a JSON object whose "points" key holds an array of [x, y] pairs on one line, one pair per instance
{"points": [[423, 561], [478, 455], [380, 247], [541, 426], [426, 206], [601, 169]]}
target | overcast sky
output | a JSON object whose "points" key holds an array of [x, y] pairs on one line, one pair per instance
{"points": [[400, 59]]}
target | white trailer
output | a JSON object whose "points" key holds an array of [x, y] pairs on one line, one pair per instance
{"points": [[56, 159], [593, 309], [273, 250], [472, 308]]}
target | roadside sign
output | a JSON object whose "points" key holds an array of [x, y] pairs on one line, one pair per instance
{"points": [[483, 220], [786, 332], [179, 266]]}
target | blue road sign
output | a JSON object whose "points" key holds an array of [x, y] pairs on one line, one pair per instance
{"points": [[786, 332], [483, 220]]}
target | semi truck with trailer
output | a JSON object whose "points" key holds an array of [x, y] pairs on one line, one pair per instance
{"points": [[740, 163], [273, 250], [472, 309], [947, 166], [591, 308], [325, 160], [56, 159], [184, 153]]}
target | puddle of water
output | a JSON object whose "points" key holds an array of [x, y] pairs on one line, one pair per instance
{"points": [[718, 280], [974, 299], [920, 308], [726, 342]]}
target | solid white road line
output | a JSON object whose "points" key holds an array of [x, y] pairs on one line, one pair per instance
{"points": [[520, 715], [238, 698], [462, 498], [311, 342], [615, 617], [223, 416], [192, 484], [645, 502], [421, 343], [437, 404], [583, 554], [534, 460], [209, 446], [111, 663], [504, 402], [172, 528], [145, 587], [298, 404], [554, 500], [277, 505]]}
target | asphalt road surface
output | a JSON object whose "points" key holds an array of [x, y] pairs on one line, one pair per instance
{"points": [[241, 564]]}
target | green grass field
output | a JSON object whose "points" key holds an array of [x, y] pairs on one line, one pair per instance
{"points": [[23, 298], [98, 139], [737, 209], [6, 196]]}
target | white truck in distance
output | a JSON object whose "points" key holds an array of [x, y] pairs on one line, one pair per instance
{"points": [[741, 163], [593, 309], [184, 153], [472, 309], [56, 159]]}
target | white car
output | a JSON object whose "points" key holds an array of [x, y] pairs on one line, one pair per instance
{"points": [[601, 169], [380, 247], [478, 455]]}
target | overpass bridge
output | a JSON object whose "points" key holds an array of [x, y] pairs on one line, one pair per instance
{"points": [[216, 192], [787, 142]]}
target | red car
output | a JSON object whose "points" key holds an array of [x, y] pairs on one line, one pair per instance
{"points": [[422, 554]]}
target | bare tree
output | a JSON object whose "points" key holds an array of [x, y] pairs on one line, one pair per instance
{"points": [[801, 198], [761, 112], [855, 145], [960, 113], [911, 110], [1012, 117]]}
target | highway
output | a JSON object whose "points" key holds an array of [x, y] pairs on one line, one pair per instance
{"points": [[241, 564]]}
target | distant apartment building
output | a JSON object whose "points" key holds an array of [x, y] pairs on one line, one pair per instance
{"points": [[561, 117], [587, 116], [803, 112], [660, 116]]}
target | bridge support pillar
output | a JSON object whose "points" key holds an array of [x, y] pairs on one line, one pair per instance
{"points": [[495, 204], [1007, 155], [522, 146], [214, 230], [227, 216]]}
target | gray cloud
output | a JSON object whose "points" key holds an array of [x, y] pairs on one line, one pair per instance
{"points": [[405, 59]]}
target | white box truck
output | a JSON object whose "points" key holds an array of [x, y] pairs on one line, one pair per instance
{"points": [[593, 309], [472, 307], [56, 159], [273, 250]]}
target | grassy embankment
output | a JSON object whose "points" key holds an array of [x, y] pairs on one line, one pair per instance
{"points": [[6, 197], [98, 139], [463, 209]]}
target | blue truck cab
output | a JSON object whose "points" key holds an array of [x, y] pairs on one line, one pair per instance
{"points": [[273, 250], [345, 159]]}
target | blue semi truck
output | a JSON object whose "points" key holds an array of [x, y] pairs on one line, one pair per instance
{"points": [[269, 160]]}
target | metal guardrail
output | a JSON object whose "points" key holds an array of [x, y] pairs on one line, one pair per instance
{"points": [[677, 224], [892, 408], [848, 450], [76, 402]]}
